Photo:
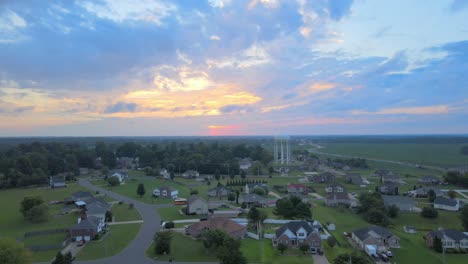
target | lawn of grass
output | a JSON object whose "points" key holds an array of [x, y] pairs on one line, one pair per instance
{"points": [[430, 154], [120, 236], [263, 252], [12, 223], [172, 213], [184, 248], [122, 212], [445, 219]]}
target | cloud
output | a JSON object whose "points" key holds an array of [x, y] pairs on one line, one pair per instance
{"points": [[265, 3], [416, 110], [181, 79], [152, 11], [235, 108], [339, 8], [321, 87], [253, 56], [11, 25], [214, 37], [219, 3], [121, 107]]}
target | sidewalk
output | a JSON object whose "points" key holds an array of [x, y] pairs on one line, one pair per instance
{"points": [[126, 222]]}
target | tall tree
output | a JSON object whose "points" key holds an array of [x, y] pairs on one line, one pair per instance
{"points": [[29, 202], [217, 174], [141, 190], [162, 240], [229, 252], [464, 216], [11, 252], [243, 174]]}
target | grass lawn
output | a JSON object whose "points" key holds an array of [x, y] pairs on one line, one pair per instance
{"points": [[445, 219], [263, 252], [122, 212], [184, 248], [12, 223], [120, 236], [172, 213], [430, 154]]}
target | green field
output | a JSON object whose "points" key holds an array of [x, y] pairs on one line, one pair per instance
{"points": [[429, 154], [172, 213], [122, 212], [118, 238], [12, 223]]}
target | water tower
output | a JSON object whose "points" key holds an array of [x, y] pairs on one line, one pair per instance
{"points": [[281, 152]]}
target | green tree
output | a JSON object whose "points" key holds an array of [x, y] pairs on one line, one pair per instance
{"points": [[162, 240], [11, 252], [438, 244], [304, 247], [464, 217], [431, 195], [392, 211], [113, 181], [141, 190], [284, 207], [29, 202], [302, 211], [429, 212], [258, 191], [108, 216], [331, 241], [38, 214], [231, 197], [237, 196], [377, 216], [59, 258], [68, 258], [452, 194], [213, 238], [282, 247], [229, 252], [217, 174], [243, 174]]}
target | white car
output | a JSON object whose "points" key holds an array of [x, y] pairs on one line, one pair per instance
{"points": [[389, 253]]}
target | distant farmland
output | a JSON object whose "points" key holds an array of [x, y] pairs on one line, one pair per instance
{"points": [[444, 155]]}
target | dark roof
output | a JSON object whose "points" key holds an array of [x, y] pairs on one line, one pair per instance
{"points": [[96, 207], [167, 188], [227, 225], [391, 176], [90, 222], [453, 234], [365, 233], [254, 185], [294, 226], [395, 199], [429, 178], [338, 196], [193, 198], [445, 201], [81, 195], [58, 178], [253, 198]]}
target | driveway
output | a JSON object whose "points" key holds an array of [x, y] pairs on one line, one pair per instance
{"points": [[320, 259]]}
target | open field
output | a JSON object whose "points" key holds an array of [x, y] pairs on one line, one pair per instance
{"points": [[172, 213], [122, 212], [429, 154], [118, 238], [12, 223]]}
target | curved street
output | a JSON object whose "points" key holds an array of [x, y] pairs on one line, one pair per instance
{"points": [[135, 252]]}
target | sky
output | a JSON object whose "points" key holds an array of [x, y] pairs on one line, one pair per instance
{"points": [[233, 67]]}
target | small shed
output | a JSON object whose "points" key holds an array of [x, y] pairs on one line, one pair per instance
{"points": [[331, 226], [410, 229]]}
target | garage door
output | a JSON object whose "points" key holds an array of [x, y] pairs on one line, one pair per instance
{"points": [[79, 238], [87, 238]]}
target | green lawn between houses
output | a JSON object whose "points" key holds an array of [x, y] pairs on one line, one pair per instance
{"points": [[122, 213], [12, 223], [118, 238], [184, 248]]}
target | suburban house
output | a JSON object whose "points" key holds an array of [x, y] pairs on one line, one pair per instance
{"points": [[250, 186], [451, 239], [326, 177], [166, 192], [57, 181], [424, 192], [164, 173], [403, 203], [444, 203], [232, 228], [96, 207], [120, 175], [337, 199], [190, 174], [294, 188], [354, 178], [86, 229], [389, 188], [410, 229], [429, 180], [197, 205], [245, 164], [296, 233], [376, 236], [334, 188], [253, 199], [381, 172], [393, 178], [219, 191], [80, 196]]}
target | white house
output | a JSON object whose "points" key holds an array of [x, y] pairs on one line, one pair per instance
{"points": [[164, 173], [444, 203], [119, 176]]}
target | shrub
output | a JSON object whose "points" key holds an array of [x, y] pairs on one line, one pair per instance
{"points": [[193, 192], [331, 241], [131, 205], [169, 225], [429, 212], [121, 202], [243, 205]]}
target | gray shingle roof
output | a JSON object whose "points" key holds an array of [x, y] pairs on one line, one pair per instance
{"points": [[445, 201], [453, 234], [365, 233], [395, 199], [294, 226], [193, 198], [253, 198]]}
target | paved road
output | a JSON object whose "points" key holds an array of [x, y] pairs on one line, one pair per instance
{"points": [[135, 252]]}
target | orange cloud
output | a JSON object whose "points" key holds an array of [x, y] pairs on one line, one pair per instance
{"points": [[418, 110], [321, 87]]}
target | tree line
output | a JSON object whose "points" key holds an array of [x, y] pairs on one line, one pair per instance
{"points": [[33, 163]]}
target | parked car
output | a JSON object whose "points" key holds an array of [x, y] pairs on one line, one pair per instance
{"points": [[313, 250], [376, 257], [81, 243], [383, 257], [389, 253]]}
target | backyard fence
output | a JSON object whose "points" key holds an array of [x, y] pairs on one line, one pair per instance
{"points": [[254, 236], [270, 236]]}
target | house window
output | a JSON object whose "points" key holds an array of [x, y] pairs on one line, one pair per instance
{"points": [[301, 234]]}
